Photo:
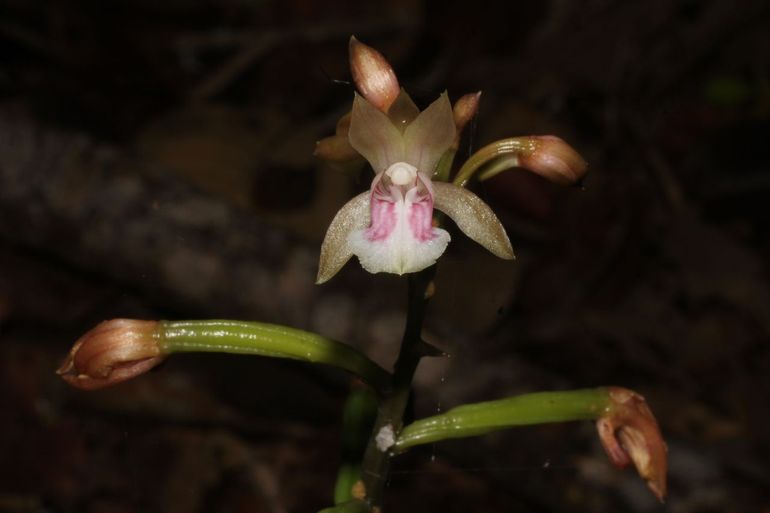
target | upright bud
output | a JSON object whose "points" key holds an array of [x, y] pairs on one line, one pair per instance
{"points": [[464, 111], [630, 434], [373, 76], [554, 159], [112, 352]]}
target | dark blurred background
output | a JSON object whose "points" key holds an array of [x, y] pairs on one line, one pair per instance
{"points": [[156, 162]]}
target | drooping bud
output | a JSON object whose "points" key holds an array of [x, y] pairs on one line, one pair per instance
{"points": [[544, 155], [630, 434], [373, 76], [112, 352], [464, 110], [555, 160]]}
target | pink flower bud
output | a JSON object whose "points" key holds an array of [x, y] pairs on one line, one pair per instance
{"points": [[554, 159], [464, 110], [630, 434], [112, 352], [373, 76]]}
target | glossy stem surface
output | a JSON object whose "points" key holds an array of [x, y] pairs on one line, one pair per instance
{"points": [[513, 146], [481, 418], [239, 337]]}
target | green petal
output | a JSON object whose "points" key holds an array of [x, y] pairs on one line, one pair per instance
{"points": [[430, 135], [473, 217], [374, 136]]}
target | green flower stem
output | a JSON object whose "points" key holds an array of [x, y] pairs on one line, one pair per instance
{"points": [[376, 463], [509, 148], [497, 166], [347, 476], [481, 418], [261, 339]]}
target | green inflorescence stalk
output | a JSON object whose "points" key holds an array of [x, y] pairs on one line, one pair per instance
{"points": [[481, 418], [506, 148], [375, 467], [262, 339]]}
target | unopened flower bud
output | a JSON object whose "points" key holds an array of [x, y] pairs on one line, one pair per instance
{"points": [[112, 352], [630, 434], [464, 110], [335, 148], [373, 76], [554, 159], [343, 125]]}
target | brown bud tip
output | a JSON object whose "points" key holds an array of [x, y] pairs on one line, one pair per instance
{"points": [[373, 76], [554, 160], [630, 434], [465, 109], [112, 352]]}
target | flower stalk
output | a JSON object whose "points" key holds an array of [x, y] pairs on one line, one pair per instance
{"points": [[545, 155], [121, 349], [240, 337], [481, 418], [375, 467], [625, 424]]}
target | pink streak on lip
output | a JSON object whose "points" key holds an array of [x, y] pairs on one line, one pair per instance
{"points": [[385, 201], [420, 219], [420, 199], [383, 219]]}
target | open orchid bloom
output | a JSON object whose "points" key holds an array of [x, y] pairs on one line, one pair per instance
{"points": [[390, 227]]}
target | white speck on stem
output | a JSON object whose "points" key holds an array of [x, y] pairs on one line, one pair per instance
{"points": [[386, 438]]}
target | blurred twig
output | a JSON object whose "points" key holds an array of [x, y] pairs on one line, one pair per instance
{"points": [[254, 45]]}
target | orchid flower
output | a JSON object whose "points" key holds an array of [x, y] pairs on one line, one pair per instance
{"points": [[390, 227]]}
